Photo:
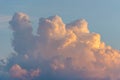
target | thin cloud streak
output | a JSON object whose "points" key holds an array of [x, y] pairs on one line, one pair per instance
{"points": [[4, 18]]}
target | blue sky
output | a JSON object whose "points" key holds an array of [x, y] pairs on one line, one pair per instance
{"points": [[103, 17]]}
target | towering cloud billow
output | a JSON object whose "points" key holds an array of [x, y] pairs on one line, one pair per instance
{"points": [[22, 33], [59, 51]]}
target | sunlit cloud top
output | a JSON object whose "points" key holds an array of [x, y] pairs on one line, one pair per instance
{"points": [[58, 51]]}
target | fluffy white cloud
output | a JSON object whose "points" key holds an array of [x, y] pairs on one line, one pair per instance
{"points": [[51, 27], [61, 51]]}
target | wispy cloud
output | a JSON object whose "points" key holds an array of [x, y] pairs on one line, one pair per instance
{"points": [[4, 21], [5, 18]]}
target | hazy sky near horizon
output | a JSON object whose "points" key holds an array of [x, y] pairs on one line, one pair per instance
{"points": [[103, 17]]}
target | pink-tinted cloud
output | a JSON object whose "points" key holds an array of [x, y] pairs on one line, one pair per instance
{"points": [[60, 51], [34, 73], [17, 72]]}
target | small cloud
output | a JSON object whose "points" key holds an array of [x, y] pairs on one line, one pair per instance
{"points": [[17, 72]]}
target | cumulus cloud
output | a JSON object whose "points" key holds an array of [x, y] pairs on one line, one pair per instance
{"points": [[59, 51], [17, 72], [22, 33]]}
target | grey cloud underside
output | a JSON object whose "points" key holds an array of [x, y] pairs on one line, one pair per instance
{"points": [[59, 51]]}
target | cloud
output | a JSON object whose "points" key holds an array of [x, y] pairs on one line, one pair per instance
{"points": [[59, 51], [22, 33], [17, 72], [4, 18]]}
